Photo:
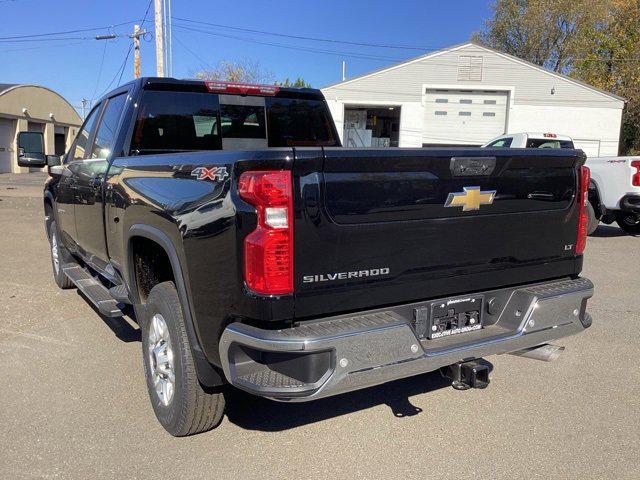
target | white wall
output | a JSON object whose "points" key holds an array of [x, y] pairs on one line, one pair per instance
{"points": [[583, 124], [411, 124]]}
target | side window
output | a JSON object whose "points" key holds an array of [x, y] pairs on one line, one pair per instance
{"points": [[80, 144], [106, 134], [176, 122], [502, 143]]}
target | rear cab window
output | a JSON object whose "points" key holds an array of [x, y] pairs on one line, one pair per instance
{"points": [[548, 143], [191, 120]]}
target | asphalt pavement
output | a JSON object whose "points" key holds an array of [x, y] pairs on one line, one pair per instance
{"points": [[73, 400]]}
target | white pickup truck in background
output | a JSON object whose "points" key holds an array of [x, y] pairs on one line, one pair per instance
{"points": [[614, 190]]}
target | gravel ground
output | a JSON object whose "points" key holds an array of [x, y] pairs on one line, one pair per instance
{"points": [[73, 401]]}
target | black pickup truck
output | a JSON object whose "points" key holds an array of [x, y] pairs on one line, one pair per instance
{"points": [[256, 252]]}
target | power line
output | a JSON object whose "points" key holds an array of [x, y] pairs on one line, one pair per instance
{"points": [[315, 39], [119, 71], [41, 46], [364, 56], [144, 19], [195, 55], [51, 34], [124, 64], [365, 44], [104, 51]]}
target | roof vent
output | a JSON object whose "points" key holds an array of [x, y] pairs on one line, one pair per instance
{"points": [[470, 68]]}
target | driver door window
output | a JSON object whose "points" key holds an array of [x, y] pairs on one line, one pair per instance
{"points": [[502, 143], [78, 151], [106, 134]]}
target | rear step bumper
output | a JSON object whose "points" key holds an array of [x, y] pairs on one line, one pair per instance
{"points": [[346, 353]]}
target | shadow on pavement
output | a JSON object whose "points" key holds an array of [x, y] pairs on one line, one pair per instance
{"points": [[122, 329], [607, 231], [255, 413]]}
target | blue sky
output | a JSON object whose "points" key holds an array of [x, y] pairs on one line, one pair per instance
{"points": [[71, 65]]}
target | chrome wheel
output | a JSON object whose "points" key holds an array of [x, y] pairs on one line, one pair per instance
{"points": [[54, 253], [161, 359]]}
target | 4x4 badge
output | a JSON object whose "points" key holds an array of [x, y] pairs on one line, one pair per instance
{"points": [[213, 173]]}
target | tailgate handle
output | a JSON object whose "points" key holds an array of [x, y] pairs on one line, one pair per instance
{"points": [[472, 166]]}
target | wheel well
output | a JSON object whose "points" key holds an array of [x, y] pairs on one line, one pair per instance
{"points": [[151, 265], [48, 212], [594, 198]]}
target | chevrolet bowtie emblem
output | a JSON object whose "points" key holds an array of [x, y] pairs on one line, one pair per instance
{"points": [[470, 199]]}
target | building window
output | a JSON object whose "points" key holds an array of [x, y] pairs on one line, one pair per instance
{"points": [[440, 112], [442, 100], [488, 114], [489, 102], [469, 67], [464, 114], [465, 100]]}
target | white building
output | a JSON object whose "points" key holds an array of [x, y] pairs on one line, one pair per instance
{"points": [[37, 109], [466, 95]]}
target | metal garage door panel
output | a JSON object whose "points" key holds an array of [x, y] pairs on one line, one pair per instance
{"points": [[463, 117], [7, 131], [590, 147]]}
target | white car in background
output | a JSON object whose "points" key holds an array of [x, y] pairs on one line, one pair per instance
{"points": [[614, 190]]}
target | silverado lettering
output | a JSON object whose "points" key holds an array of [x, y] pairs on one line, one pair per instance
{"points": [[329, 277]]}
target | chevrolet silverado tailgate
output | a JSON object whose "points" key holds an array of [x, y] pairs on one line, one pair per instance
{"points": [[377, 227]]}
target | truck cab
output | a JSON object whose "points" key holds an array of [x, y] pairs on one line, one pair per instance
{"points": [[530, 140]]}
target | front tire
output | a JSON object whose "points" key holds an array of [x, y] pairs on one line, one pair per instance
{"points": [[55, 249], [629, 222], [179, 401]]}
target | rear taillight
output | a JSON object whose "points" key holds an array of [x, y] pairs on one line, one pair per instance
{"points": [[268, 250], [635, 179], [583, 198]]}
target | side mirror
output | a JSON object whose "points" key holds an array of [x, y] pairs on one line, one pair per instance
{"points": [[31, 150], [54, 160]]}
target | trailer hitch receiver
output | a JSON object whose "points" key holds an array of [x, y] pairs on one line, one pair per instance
{"points": [[465, 375]]}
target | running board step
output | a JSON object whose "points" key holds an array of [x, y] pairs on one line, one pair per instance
{"points": [[120, 294], [95, 291]]}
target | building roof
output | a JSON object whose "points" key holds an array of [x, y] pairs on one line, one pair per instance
{"points": [[40, 102], [7, 86], [497, 52]]}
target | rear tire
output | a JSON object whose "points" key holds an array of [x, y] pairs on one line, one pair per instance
{"points": [[179, 401], [55, 249], [629, 222], [593, 220]]}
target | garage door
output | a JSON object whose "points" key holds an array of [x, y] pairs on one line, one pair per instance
{"points": [[7, 132], [590, 147], [459, 117]]}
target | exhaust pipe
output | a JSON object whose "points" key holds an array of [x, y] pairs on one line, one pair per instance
{"points": [[545, 353]]}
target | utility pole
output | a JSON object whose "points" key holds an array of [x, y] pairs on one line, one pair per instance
{"points": [[344, 70], [84, 108], [159, 38], [137, 33]]}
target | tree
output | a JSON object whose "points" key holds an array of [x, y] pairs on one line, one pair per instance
{"points": [[242, 71], [299, 82], [594, 41]]}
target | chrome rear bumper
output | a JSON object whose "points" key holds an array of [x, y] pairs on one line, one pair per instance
{"points": [[350, 352]]}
